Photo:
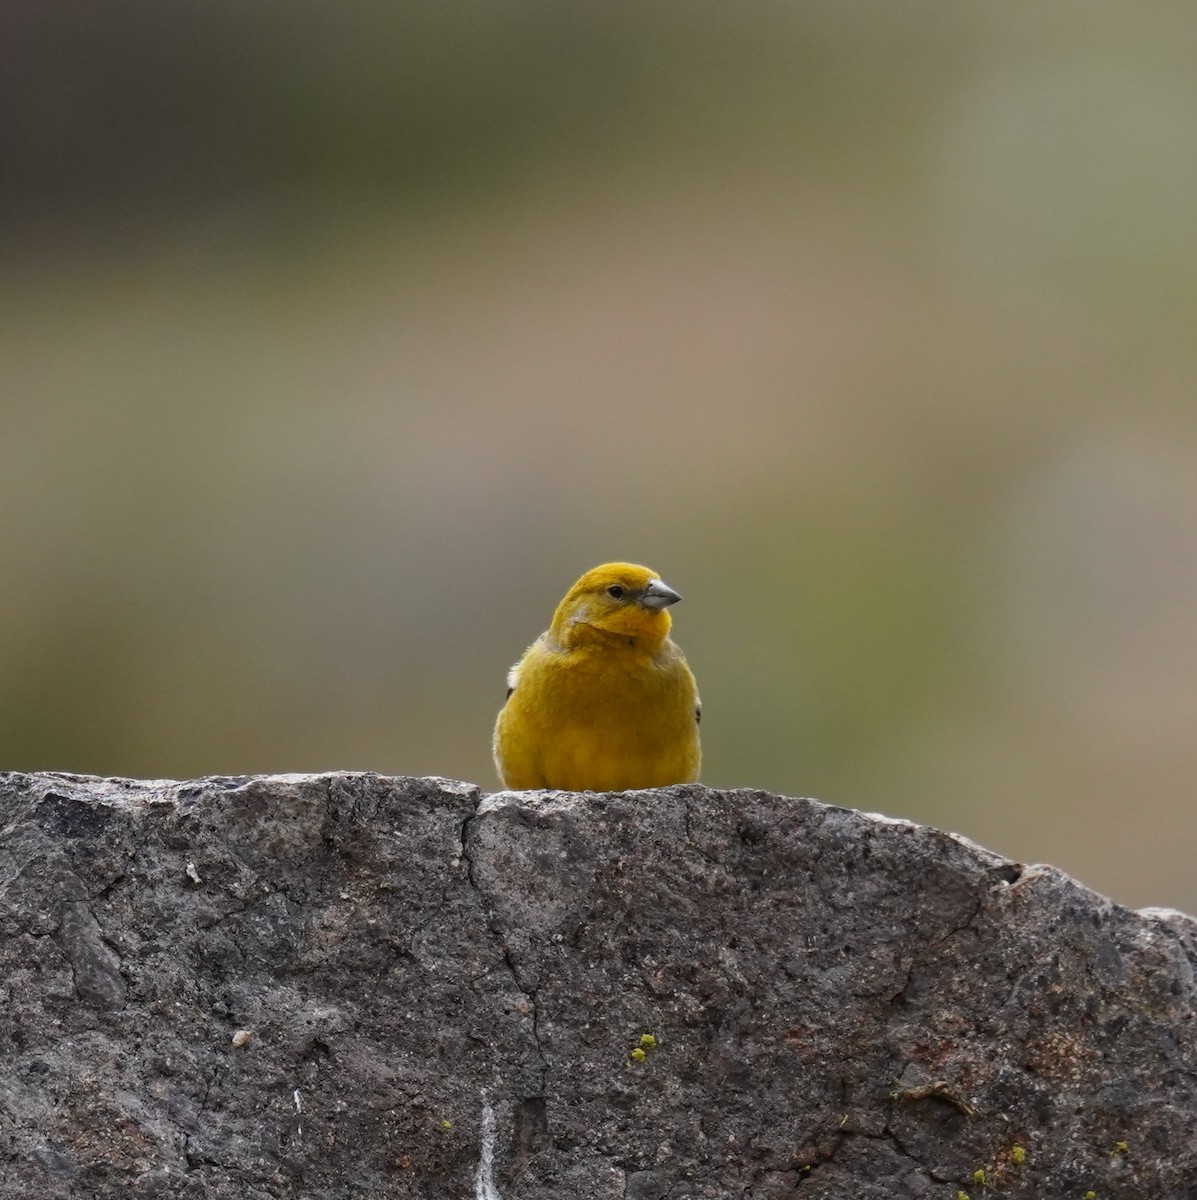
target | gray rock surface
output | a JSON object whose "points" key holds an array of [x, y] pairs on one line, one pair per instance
{"points": [[354, 986]]}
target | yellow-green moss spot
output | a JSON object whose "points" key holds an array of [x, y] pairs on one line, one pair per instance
{"points": [[1119, 1148], [446, 1124], [979, 1176], [804, 1169], [1018, 1155], [962, 1196], [641, 1050], [1090, 1196]]}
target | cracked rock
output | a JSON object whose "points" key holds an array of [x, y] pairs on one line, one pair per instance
{"points": [[541, 996]]}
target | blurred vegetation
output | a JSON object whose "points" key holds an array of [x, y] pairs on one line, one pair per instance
{"points": [[337, 341]]}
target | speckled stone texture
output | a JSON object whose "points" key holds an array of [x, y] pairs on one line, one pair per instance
{"points": [[843, 1007]]}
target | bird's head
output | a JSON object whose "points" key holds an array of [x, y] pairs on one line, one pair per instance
{"points": [[617, 600]]}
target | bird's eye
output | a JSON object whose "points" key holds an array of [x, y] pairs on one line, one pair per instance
{"points": [[615, 592]]}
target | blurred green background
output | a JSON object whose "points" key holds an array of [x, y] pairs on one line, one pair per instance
{"points": [[337, 340]]}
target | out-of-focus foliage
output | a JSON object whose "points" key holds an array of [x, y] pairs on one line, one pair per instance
{"points": [[335, 341]]}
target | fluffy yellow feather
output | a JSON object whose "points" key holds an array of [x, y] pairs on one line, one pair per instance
{"points": [[603, 700]]}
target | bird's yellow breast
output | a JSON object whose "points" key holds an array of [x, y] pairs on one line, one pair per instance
{"points": [[599, 717]]}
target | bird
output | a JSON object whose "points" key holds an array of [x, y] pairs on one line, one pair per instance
{"points": [[603, 700]]}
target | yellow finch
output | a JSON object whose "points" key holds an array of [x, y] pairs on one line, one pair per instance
{"points": [[603, 700]]}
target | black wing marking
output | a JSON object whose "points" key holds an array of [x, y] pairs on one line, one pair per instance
{"points": [[697, 714], [509, 691]]}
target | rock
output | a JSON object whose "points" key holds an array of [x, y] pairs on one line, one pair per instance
{"points": [[682, 993]]}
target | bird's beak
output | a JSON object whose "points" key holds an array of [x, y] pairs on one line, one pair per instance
{"points": [[658, 595]]}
